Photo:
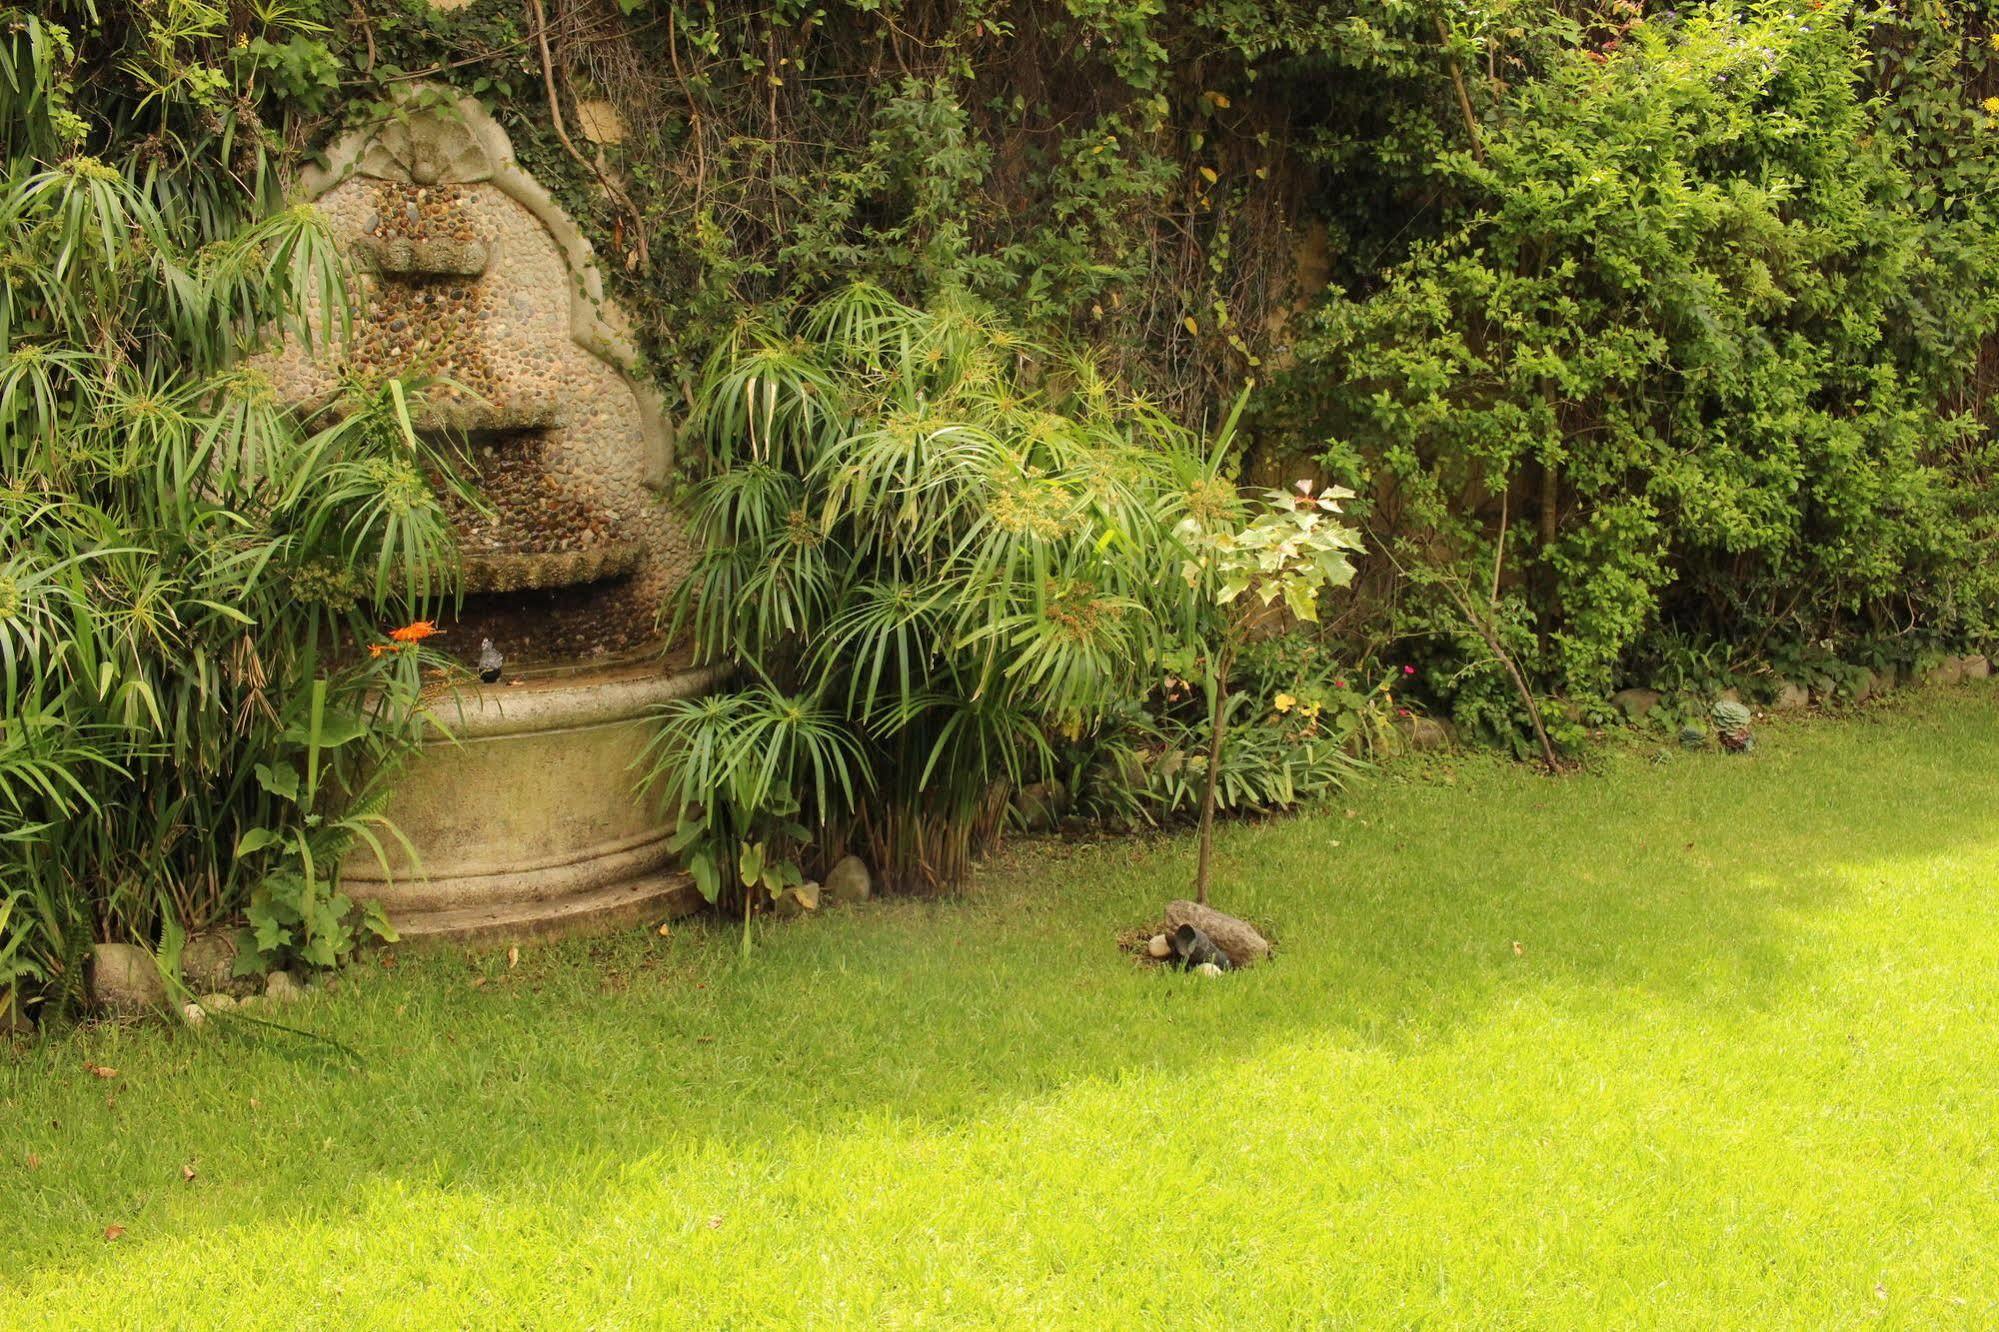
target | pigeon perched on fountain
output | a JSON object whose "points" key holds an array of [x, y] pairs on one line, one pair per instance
{"points": [[490, 661]]}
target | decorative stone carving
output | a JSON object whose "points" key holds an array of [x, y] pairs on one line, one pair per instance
{"points": [[524, 818], [473, 277]]}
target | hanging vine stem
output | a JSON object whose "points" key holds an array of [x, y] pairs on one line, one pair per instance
{"points": [[641, 250]]}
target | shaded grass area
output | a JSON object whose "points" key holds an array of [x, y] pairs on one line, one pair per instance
{"points": [[1740, 1070]]}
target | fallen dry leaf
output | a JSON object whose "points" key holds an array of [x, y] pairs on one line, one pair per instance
{"points": [[187, 1173], [478, 981], [513, 958], [34, 1162], [113, 1232], [665, 930], [714, 1223], [1518, 951], [99, 1070]]}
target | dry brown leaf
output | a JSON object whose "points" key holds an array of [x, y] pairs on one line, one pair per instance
{"points": [[113, 1232], [714, 1223], [1518, 950], [187, 1172], [99, 1070], [513, 957], [34, 1162]]}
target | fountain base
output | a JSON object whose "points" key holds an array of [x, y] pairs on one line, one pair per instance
{"points": [[523, 816]]}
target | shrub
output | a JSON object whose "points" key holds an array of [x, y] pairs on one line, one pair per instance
{"points": [[940, 546], [1693, 348], [185, 567]]}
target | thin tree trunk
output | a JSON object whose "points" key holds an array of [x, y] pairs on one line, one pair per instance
{"points": [[1215, 732], [1458, 83]]}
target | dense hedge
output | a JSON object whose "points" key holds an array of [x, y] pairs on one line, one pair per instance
{"points": [[1691, 302], [1690, 305]]}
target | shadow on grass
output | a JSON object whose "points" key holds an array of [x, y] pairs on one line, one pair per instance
{"points": [[1695, 882]]}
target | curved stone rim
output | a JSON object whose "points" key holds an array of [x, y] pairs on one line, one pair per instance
{"points": [[527, 571], [568, 703]]}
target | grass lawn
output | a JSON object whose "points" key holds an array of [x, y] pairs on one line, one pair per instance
{"points": [[1741, 1069]]}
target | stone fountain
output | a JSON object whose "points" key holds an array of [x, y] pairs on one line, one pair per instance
{"points": [[523, 815]]}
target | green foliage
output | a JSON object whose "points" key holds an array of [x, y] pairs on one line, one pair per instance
{"points": [[1079, 167], [187, 725], [1289, 548], [738, 768], [1694, 352], [943, 546]]}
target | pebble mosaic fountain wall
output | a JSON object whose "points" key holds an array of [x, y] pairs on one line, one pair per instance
{"points": [[473, 278]]}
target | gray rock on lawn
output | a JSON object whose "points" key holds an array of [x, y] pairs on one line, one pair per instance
{"points": [[1792, 697], [125, 981], [1949, 671], [1159, 946], [796, 901], [1975, 668], [1041, 805], [1238, 938], [219, 1002], [208, 962], [281, 987], [1423, 734], [849, 882], [1635, 704]]}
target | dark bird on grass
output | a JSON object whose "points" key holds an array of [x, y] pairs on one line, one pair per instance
{"points": [[490, 661], [1193, 948]]}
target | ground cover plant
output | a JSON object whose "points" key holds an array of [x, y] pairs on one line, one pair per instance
{"points": [[1698, 1040]]}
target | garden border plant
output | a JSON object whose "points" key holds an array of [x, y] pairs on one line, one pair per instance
{"points": [[190, 727]]}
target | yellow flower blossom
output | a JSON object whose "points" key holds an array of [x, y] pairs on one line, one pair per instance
{"points": [[1991, 105], [1284, 702]]}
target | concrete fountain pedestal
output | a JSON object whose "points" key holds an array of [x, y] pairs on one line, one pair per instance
{"points": [[474, 281], [524, 819]]}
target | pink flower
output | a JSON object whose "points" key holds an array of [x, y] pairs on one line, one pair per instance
{"points": [[1339, 684], [1408, 670], [1402, 712]]}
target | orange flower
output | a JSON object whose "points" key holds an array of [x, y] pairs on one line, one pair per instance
{"points": [[377, 649], [413, 633]]}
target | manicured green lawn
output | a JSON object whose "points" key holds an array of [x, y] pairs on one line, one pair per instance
{"points": [[1742, 1070]]}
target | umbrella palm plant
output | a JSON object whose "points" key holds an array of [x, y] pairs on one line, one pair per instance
{"points": [[185, 566], [938, 547]]}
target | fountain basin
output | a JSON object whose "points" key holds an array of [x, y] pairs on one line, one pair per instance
{"points": [[523, 816]]}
